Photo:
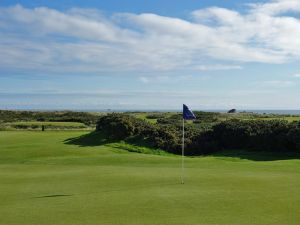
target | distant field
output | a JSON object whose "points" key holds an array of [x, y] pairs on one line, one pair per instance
{"points": [[247, 116], [64, 124], [51, 125], [222, 116], [54, 178], [145, 115], [288, 118]]}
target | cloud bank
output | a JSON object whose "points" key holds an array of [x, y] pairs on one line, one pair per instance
{"points": [[90, 41]]}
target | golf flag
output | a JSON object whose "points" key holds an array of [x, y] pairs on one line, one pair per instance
{"points": [[187, 114]]}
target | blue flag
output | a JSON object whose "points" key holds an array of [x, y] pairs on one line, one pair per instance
{"points": [[187, 114]]}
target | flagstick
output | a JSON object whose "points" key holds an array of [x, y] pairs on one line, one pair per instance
{"points": [[182, 154]]}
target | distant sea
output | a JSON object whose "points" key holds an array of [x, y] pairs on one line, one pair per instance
{"points": [[259, 111], [281, 112], [263, 111]]}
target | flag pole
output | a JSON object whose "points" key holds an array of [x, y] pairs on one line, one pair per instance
{"points": [[187, 114], [182, 154]]}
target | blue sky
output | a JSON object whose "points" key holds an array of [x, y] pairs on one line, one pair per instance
{"points": [[149, 55]]}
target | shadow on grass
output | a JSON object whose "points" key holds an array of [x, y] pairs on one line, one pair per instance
{"points": [[87, 140], [256, 155], [53, 196], [144, 146], [97, 138], [133, 144]]}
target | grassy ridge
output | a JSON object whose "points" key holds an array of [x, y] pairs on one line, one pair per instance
{"points": [[48, 179], [64, 124], [48, 125], [287, 118]]}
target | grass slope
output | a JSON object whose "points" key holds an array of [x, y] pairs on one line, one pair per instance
{"points": [[47, 180]]}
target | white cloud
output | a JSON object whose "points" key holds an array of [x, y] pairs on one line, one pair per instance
{"points": [[276, 7], [217, 15], [144, 80], [217, 67], [74, 23], [278, 83], [86, 40], [163, 79], [296, 75]]}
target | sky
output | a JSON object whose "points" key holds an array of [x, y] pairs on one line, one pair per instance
{"points": [[149, 55]]}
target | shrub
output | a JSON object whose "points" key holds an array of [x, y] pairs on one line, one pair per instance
{"points": [[116, 126], [256, 134], [155, 116], [272, 135]]}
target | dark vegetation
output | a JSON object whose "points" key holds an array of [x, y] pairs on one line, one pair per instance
{"points": [[117, 126], [155, 116], [13, 119], [232, 111], [267, 135], [59, 116]]}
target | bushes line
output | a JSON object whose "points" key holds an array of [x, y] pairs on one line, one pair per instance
{"points": [[266, 135], [59, 116]]}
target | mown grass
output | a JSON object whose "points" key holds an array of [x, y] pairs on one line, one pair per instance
{"points": [[55, 177]]}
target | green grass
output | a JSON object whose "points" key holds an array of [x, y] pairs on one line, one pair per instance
{"points": [[49, 125], [143, 115], [288, 118], [39, 123], [54, 178]]}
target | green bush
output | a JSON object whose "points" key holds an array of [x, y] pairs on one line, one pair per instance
{"points": [[116, 126], [56, 116], [155, 116], [121, 126], [271, 135]]}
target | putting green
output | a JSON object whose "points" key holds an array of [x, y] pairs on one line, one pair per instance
{"points": [[46, 181]]}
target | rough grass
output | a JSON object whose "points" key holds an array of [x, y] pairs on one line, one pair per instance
{"points": [[288, 118], [144, 115], [39, 123], [48, 179], [48, 125]]}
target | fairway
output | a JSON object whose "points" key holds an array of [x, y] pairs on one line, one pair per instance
{"points": [[45, 180]]}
